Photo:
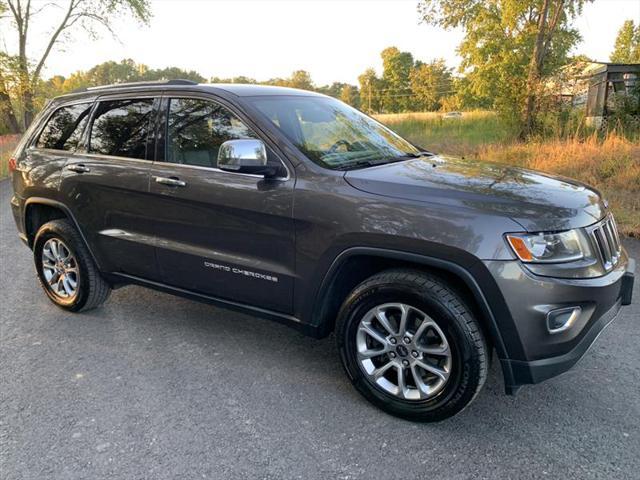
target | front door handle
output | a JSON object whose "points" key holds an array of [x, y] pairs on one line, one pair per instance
{"points": [[78, 168], [171, 181]]}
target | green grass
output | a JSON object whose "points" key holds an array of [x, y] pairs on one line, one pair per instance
{"points": [[454, 136]]}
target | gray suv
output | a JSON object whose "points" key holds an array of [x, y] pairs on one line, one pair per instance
{"points": [[293, 206]]}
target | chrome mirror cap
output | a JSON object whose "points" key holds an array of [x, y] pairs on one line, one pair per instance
{"points": [[243, 156]]}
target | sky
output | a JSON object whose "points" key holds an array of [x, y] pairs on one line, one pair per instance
{"points": [[334, 40]]}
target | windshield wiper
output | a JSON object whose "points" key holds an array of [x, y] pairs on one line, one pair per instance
{"points": [[408, 156], [359, 164], [418, 155], [373, 163]]}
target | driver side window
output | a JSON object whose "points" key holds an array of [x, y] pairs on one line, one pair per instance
{"points": [[196, 128]]}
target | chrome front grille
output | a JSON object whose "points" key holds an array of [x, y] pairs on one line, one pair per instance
{"points": [[606, 241]]}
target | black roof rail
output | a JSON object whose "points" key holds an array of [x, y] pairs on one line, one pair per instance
{"points": [[150, 83]]}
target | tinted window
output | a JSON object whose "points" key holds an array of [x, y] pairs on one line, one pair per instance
{"points": [[120, 128], [196, 129], [64, 128]]}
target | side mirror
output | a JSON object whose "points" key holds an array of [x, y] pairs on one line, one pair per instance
{"points": [[244, 156]]}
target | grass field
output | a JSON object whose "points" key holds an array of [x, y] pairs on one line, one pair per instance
{"points": [[611, 164], [454, 136]]}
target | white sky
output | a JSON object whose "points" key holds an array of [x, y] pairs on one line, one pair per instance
{"points": [[335, 40]]}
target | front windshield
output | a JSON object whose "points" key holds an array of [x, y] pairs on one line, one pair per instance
{"points": [[333, 134]]}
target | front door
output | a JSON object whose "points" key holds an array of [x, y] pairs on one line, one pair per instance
{"points": [[224, 234]]}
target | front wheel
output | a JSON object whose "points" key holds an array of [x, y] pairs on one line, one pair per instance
{"points": [[411, 346]]}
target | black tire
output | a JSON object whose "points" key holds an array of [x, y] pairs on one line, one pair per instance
{"points": [[92, 289], [431, 295]]}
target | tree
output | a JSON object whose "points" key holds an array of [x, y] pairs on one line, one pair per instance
{"points": [[8, 118], [240, 79], [110, 72], [333, 90], [396, 69], [105, 73], [509, 48], [343, 91], [300, 79], [169, 73], [349, 95], [85, 14], [370, 91], [430, 83], [627, 46], [75, 81]]}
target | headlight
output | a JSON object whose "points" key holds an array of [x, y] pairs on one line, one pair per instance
{"points": [[547, 247]]}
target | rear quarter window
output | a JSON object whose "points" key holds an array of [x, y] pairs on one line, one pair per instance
{"points": [[64, 128]]}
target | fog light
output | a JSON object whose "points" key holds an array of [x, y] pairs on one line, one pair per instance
{"points": [[562, 319]]}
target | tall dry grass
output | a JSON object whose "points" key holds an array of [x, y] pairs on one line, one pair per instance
{"points": [[611, 164]]}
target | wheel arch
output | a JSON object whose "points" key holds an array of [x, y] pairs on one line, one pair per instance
{"points": [[38, 211], [355, 264]]}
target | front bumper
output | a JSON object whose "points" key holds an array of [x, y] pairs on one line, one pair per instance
{"points": [[530, 298]]}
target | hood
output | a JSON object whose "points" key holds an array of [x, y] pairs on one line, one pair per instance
{"points": [[535, 200]]}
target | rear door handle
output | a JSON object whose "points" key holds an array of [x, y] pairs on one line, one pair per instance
{"points": [[78, 168], [171, 181]]}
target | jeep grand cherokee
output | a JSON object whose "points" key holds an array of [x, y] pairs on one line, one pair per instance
{"points": [[296, 207]]}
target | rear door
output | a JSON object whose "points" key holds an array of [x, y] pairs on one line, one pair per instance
{"points": [[107, 184], [44, 158], [224, 234]]}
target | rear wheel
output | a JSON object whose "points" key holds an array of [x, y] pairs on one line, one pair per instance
{"points": [[65, 268], [411, 346]]}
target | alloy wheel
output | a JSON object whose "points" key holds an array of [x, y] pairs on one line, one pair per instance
{"points": [[403, 351], [60, 269]]}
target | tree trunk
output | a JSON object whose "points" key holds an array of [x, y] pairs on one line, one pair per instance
{"points": [[28, 107], [535, 67], [26, 88], [7, 113], [6, 108]]}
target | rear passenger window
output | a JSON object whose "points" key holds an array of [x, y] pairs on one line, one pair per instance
{"points": [[64, 128], [120, 128], [196, 129]]}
